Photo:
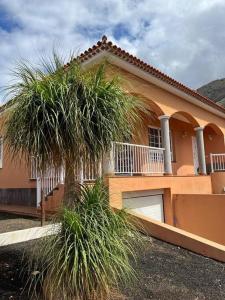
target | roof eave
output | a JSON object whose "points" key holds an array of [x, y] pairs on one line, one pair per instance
{"points": [[115, 60]]}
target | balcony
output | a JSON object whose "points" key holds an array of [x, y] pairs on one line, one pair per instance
{"points": [[127, 160], [131, 159], [217, 162]]}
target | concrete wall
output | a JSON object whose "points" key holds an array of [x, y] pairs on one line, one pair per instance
{"points": [[203, 215]]}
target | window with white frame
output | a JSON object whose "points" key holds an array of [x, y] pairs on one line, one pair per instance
{"points": [[1, 152], [155, 139]]}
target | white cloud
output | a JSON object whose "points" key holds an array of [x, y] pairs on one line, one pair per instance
{"points": [[185, 39]]}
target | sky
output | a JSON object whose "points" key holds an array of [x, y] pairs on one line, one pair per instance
{"points": [[183, 38]]}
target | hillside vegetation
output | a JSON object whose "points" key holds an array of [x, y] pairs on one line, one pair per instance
{"points": [[214, 90]]}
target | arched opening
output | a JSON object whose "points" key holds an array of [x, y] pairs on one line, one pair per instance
{"points": [[214, 142], [154, 108], [186, 118], [184, 146], [132, 156], [148, 121]]}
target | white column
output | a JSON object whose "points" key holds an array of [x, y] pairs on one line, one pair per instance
{"points": [[201, 150], [165, 129]]}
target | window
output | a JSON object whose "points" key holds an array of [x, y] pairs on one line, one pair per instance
{"points": [[155, 139], [1, 151]]}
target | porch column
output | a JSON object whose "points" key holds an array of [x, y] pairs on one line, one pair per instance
{"points": [[165, 130], [201, 150]]}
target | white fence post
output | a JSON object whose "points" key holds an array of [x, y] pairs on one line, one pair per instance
{"points": [[38, 191], [211, 161], [100, 168], [62, 175], [217, 162], [137, 159], [82, 172]]}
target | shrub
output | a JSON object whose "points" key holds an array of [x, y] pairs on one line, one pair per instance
{"points": [[91, 253]]}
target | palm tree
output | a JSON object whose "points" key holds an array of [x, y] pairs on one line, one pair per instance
{"points": [[59, 113]]}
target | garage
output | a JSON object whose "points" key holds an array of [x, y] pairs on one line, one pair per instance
{"points": [[148, 203]]}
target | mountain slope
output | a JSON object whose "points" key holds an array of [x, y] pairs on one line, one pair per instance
{"points": [[214, 90]]}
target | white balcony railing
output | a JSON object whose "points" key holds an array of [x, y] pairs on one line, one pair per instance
{"points": [[52, 177], [137, 159], [33, 168], [217, 162], [128, 159]]}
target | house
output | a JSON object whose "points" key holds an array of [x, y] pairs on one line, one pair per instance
{"points": [[173, 170]]}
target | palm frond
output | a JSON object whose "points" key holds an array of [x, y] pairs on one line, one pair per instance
{"points": [[60, 113]]}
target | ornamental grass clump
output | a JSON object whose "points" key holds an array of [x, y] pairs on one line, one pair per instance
{"points": [[91, 253]]}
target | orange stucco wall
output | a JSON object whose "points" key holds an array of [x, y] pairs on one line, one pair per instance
{"points": [[176, 185], [201, 214], [181, 133], [164, 102], [218, 182], [180, 237], [188, 202], [161, 101], [14, 173], [168, 103]]}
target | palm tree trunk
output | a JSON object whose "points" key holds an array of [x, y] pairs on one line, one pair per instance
{"points": [[71, 186]]}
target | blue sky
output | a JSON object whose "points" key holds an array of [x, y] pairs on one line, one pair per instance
{"points": [[185, 39]]}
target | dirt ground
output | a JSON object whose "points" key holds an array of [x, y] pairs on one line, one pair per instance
{"points": [[11, 222], [164, 272]]}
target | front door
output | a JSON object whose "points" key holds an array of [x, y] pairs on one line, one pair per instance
{"points": [[195, 155]]}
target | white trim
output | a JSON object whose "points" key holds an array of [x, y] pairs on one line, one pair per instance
{"points": [[163, 117], [150, 78], [199, 128], [142, 193], [159, 131], [171, 141]]}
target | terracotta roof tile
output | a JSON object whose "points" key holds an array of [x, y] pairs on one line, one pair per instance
{"points": [[105, 45]]}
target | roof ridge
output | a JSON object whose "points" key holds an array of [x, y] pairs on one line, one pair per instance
{"points": [[105, 45]]}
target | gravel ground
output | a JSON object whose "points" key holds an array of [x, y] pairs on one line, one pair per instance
{"points": [[169, 272], [10, 222], [164, 272]]}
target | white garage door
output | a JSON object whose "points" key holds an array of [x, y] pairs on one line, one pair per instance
{"points": [[148, 203]]}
